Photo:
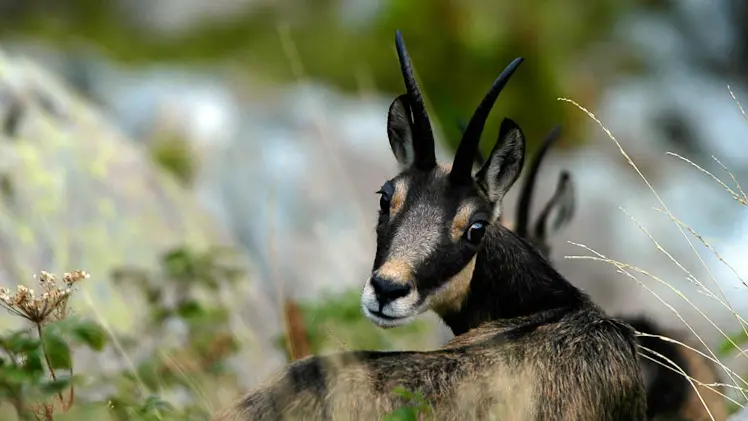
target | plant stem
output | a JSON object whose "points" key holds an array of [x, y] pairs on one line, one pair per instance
{"points": [[19, 405], [71, 399], [49, 364]]}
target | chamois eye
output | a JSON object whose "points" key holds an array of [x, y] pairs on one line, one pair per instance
{"points": [[475, 233], [384, 202]]}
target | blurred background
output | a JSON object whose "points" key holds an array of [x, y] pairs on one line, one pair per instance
{"points": [[138, 135]]}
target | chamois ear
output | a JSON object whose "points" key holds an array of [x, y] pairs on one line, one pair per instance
{"points": [[559, 210], [504, 164], [400, 131]]}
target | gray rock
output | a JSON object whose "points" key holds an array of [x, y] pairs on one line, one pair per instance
{"points": [[78, 194]]}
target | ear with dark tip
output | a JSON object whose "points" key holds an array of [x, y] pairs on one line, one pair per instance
{"points": [[400, 131], [559, 210], [526, 194], [479, 159], [505, 162]]}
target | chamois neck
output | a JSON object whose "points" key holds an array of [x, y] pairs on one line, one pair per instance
{"points": [[511, 279]]}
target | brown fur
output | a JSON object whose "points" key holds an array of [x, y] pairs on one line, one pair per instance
{"points": [[508, 223], [401, 192], [480, 375], [451, 297], [461, 221], [704, 371], [398, 270], [699, 368], [695, 365]]}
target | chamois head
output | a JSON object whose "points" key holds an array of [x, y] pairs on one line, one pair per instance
{"points": [[432, 218]]}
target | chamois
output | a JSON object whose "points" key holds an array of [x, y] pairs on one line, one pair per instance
{"points": [[669, 394], [545, 351]]}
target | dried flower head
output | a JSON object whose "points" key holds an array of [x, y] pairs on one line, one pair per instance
{"points": [[51, 303], [75, 276]]}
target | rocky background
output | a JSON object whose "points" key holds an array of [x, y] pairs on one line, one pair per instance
{"points": [[131, 127]]}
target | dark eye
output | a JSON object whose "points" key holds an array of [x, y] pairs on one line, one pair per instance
{"points": [[384, 202], [475, 233]]}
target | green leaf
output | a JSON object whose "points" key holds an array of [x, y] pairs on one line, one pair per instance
{"points": [[148, 374], [91, 334], [179, 263], [21, 342], [726, 348], [405, 393], [33, 362], [190, 309], [153, 294], [57, 350], [15, 375], [55, 386], [155, 403], [402, 414], [119, 407]]}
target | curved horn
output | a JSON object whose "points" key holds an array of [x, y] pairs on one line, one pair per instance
{"points": [[463, 162], [479, 159], [563, 179], [525, 196], [423, 142]]}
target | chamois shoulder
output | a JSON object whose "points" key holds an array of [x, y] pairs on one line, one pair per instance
{"points": [[361, 385]]}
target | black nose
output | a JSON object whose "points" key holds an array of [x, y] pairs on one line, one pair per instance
{"points": [[387, 290]]}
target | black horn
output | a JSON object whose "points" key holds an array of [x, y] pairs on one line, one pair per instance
{"points": [[525, 196], [423, 142], [562, 186], [463, 162], [479, 159]]}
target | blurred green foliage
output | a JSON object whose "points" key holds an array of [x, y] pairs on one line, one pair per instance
{"points": [[33, 361], [173, 154], [337, 323], [184, 290], [414, 407], [732, 345], [458, 49], [38, 379]]}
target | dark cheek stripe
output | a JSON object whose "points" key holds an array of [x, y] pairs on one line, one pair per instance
{"points": [[441, 266]]}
